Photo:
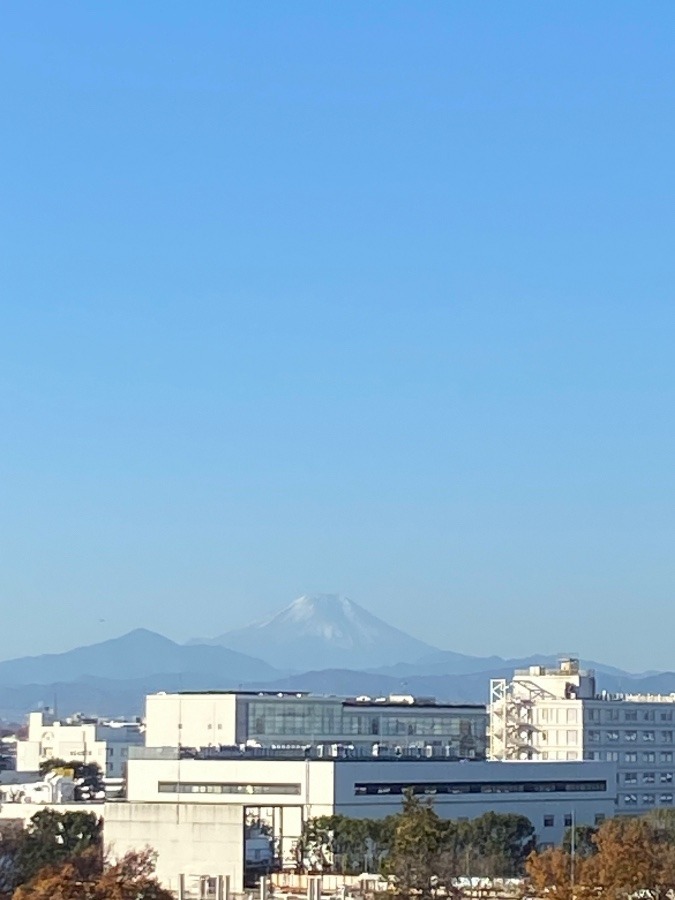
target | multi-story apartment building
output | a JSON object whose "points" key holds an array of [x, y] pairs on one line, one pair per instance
{"points": [[395, 725], [103, 742], [556, 714]]}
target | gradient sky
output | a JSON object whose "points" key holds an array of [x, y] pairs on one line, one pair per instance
{"points": [[362, 297]]}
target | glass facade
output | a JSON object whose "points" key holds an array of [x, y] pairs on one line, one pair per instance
{"points": [[458, 731]]}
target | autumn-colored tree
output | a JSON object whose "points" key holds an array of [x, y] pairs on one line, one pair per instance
{"points": [[631, 857], [550, 873], [129, 879]]}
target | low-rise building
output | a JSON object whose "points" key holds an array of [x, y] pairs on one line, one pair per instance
{"points": [[100, 741], [207, 816], [391, 725]]}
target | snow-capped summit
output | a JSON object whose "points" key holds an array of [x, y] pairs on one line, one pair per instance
{"points": [[322, 631]]}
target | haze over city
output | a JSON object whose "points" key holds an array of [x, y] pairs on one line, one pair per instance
{"points": [[339, 298]]}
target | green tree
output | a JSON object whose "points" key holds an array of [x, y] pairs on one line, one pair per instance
{"points": [[53, 837], [499, 844], [418, 860]]}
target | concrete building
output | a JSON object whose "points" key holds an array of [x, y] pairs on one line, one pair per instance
{"points": [[392, 725], [207, 816], [546, 714], [105, 743]]}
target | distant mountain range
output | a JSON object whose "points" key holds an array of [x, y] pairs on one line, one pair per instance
{"points": [[324, 644], [323, 631]]}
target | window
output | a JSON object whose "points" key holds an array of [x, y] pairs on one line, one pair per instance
{"points": [[630, 778], [666, 756], [648, 799], [648, 715], [666, 799], [572, 717], [630, 716], [667, 716], [571, 738], [649, 756], [612, 756], [479, 787], [186, 787], [612, 715], [549, 821], [592, 715], [666, 737], [630, 799], [648, 736], [630, 735], [666, 777], [630, 756], [593, 737], [648, 777], [599, 818], [612, 735], [571, 754], [568, 820]]}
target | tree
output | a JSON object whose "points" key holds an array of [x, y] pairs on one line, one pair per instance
{"points": [[550, 874], [418, 859], [53, 837], [584, 841], [500, 843], [131, 878]]}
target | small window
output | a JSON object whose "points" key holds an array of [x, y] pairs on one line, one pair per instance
{"points": [[549, 821], [666, 756], [599, 818], [667, 716], [666, 777], [630, 799], [649, 756], [649, 715], [648, 799], [648, 777], [612, 735], [666, 799], [666, 737], [630, 735], [648, 736], [568, 820], [630, 716], [612, 756], [630, 778], [630, 756]]}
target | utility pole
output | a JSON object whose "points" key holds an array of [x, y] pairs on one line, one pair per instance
{"points": [[573, 847]]}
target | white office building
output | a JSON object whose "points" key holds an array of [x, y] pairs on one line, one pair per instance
{"points": [[207, 817], [103, 742], [546, 714], [395, 725]]}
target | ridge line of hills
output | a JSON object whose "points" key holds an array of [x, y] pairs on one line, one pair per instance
{"points": [[357, 654]]}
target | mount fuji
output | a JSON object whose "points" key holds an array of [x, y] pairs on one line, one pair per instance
{"points": [[324, 631]]}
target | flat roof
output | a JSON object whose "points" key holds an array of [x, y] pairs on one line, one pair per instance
{"points": [[373, 702]]}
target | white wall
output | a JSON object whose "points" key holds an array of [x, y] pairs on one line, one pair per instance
{"points": [[190, 720], [189, 838]]}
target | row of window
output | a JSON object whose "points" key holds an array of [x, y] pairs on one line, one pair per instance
{"points": [[647, 799], [631, 756], [549, 821], [649, 737], [629, 715], [478, 787], [192, 787], [648, 777]]}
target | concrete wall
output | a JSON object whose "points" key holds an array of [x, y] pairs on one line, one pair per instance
{"points": [[314, 781], [190, 720], [189, 838]]}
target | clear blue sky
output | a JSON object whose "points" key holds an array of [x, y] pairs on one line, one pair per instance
{"points": [[368, 297]]}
